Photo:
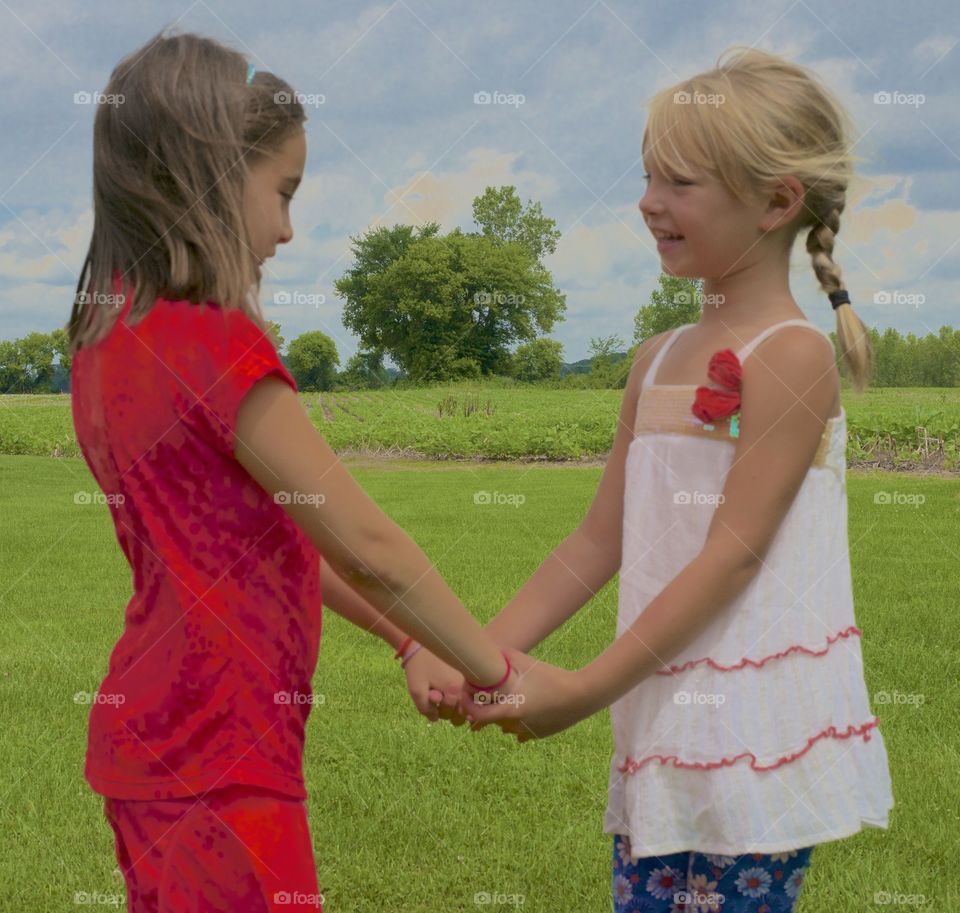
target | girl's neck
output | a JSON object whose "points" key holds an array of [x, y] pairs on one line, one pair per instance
{"points": [[753, 297]]}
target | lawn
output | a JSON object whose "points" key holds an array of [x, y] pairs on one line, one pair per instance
{"points": [[412, 817]]}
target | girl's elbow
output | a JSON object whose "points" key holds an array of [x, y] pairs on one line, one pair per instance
{"points": [[605, 543], [372, 562], [737, 558]]}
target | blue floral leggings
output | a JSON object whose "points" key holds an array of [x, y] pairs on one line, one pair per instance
{"points": [[704, 883]]}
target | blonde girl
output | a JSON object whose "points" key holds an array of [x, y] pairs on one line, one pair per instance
{"points": [[743, 730]]}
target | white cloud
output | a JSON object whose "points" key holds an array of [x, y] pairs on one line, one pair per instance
{"points": [[932, 49], [40, 246], [447, 196], [589, 253]]}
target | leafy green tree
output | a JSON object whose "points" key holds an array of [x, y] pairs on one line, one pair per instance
{"points": [[61, 348], [500, 215], [538, 360], [275, 330], [313, 361], [38, 351], [602, 349], [26, 364], [363, 371], [677, 301], [609, 366], [451, 306], [13, 374]]}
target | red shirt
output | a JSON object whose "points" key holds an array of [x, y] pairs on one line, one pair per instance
{"points": [[209, 684]]}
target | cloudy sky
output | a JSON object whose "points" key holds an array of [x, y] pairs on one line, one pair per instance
{"points": [[398, 137]]}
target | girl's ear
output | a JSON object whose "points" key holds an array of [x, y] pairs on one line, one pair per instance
{"points": [[784, 202]]}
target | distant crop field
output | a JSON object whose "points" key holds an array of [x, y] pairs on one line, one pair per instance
{"points": [[889, 428]]}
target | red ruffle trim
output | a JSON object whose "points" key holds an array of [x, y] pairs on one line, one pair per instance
{"points": [[853, 629], [630, 766]]}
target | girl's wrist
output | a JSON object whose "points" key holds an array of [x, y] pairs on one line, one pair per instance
{"points": [[497, 684], [588, 689], [388, 632], [411, 652], [406, 651]]}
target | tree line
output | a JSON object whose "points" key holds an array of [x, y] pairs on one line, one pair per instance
{"points": [[470, 305]]}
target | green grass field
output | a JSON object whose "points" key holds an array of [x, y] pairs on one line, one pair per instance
{"points": [[412, 817], [889, 428]]}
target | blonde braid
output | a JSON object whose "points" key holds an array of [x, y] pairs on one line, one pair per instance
{"points": [[820, 248], [855, 349]]}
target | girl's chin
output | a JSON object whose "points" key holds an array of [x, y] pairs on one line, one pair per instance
{"points": [[679, 272]]}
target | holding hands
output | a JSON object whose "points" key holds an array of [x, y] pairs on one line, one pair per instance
{"points": [[435, 688], [536, 699]]}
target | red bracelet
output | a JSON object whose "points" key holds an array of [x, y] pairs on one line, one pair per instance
{"points": [[402, 648], [499, 683]]}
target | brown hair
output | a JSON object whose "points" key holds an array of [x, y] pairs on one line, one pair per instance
{"points": [[750, 120], [170, 159]]}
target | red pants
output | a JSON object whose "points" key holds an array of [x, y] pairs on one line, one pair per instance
{"points": [[240, 849]]}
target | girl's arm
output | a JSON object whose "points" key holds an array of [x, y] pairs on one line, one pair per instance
{"points": [[278, 445], [573, 572], [434, 689], [784, 413], [577, 569], [348, 604]]}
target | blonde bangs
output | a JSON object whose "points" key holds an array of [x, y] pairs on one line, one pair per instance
{"points": [[699, 127], [669, 131]]}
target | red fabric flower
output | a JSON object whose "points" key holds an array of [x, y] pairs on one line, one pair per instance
{"points": [[711, 404], [725, 369]]}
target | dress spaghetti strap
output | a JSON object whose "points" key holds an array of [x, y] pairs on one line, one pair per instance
{"points": [[651, 374], [769, 331]]}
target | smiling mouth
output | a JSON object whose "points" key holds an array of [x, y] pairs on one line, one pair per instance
{"points": [[664, 236]]}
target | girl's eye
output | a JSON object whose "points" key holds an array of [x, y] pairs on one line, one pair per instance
{"points": [[682, 182], [287, 196]]}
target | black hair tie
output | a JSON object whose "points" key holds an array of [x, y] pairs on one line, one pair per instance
{"points": [[841, 296]]}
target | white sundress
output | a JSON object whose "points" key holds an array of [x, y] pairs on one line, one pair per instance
{"points": [[758, 737]]}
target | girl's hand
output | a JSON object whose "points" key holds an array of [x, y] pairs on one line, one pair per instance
{"points": [[435, 687], [544, 700]]}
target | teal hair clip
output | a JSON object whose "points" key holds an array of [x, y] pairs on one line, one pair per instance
{"points": [[251, 69]]}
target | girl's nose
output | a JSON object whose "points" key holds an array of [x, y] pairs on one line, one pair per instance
{"points": [[648, 205]]}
